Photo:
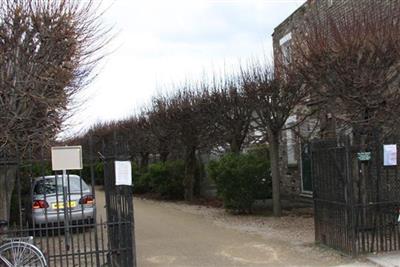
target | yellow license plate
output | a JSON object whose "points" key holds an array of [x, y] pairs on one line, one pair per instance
{"points": [[60, 205]]}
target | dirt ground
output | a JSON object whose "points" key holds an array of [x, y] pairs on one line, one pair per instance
{"points": [[181, 235]]}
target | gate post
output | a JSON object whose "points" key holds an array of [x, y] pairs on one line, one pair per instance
{"points": [[93, 183], [316, 226], [119, 208], [350, 207]]}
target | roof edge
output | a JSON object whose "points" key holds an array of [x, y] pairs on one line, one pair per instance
{"points": [[300, 8]]}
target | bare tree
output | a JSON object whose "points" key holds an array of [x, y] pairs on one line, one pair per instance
{"points": [[160, 125], [48, 50], [275, 97], [137, 132], [352, 63], [188, 111], [233, 111]]}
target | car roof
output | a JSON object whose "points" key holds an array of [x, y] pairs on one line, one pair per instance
{"points": [[53, 177]]}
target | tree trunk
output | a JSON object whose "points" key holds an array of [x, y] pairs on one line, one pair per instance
{"points": [[164, 156], [363, 182], [163, 150], [237, 141], [234, 146], [8, 175], [274, 155], [190, 169], [144, 161]]}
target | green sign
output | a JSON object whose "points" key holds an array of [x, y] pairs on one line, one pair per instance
{"points": [[364, 156]]}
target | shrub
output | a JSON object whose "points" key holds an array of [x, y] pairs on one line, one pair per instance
{"points": [[142, 184], [99, 173], [241, 179], [86, 173], [165, 178], [141, 181]]}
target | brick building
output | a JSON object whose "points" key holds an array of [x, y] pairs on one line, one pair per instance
{"points": [[294, 151]]}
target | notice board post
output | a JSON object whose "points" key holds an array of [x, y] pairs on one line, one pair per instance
{"points": [[65, 158]]}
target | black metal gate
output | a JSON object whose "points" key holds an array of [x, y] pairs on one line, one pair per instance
{"points": [[79, 218], [356, 197], [119, 203]]}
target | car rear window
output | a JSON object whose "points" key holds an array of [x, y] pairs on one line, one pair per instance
{"points": [[49, 185]]}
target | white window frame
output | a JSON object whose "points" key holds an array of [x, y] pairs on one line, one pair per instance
{"points": [[291, 142], [303, 192], [286, 38], [284, 43]]}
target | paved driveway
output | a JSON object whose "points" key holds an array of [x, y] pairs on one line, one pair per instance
{"points": [[169, 236]]}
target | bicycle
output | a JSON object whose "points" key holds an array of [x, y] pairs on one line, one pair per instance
{"points": [[20, 251]]}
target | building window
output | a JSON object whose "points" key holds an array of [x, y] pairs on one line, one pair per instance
{"points": [[284, 43], [285, 39], [291, 142], [306, 179], [330, 3], [291, 147], [286, 53]]}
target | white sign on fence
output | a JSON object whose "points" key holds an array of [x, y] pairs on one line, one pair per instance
{"points": [[123, 173], [390, 155], [66, 158]]}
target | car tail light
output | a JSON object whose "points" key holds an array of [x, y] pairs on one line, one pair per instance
{"points": [[40, 204], [89, 199]]}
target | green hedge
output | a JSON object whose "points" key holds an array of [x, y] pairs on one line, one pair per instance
{"points": [[241, 179], [165, 178]]}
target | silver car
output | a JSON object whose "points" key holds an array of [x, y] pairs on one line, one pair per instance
{"points": [[48, 200]]}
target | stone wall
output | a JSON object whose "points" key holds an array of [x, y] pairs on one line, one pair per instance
{"points": [[336, 9], [290, 172]]}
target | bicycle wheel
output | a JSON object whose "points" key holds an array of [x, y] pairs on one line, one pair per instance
{"points": [[21, 254]]}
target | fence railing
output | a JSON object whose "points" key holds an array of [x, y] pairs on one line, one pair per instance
{"points": [[356, 201]]}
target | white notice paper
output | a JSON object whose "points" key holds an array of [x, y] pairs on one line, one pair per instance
{"points": [[389, 155], [123, 173]]}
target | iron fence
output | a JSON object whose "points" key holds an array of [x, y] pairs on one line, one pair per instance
{"points": [[71, 219], [356, 198], [88, 245]]}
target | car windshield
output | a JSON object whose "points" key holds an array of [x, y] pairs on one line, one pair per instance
{"points": [[50, 186]]}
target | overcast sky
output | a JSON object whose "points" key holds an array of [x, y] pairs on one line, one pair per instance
{"points": [[164, 42]]}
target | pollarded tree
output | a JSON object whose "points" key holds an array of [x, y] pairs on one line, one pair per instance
{"points": [[188, 111], [233, 111], [102, 134], [160, 126], [137, 132], [352, 63], [275, 97], [47, 52]]}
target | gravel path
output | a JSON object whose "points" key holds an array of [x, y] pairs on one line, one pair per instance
{"points": [[181, 235]]}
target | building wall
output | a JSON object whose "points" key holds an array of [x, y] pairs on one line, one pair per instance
{"points": [[283, 33], [290, 145], [290, 172]]}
